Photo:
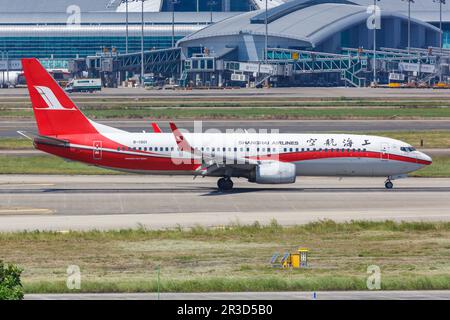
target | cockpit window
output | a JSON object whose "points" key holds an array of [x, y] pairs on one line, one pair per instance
{"points": [[408, 149]]}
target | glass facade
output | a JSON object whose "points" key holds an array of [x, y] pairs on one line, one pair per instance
{"points": [[446, 36], [206, 5], [72, 47]]}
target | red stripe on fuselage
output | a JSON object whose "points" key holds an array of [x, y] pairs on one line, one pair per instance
{"points": [[313, 155]]}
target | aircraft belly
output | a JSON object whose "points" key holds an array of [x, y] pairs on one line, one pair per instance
{"points": [[365, 167]]}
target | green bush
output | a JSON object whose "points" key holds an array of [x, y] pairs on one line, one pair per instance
{"points": [[10, 285]]}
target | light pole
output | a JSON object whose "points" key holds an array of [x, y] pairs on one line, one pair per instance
{"points": [[409, 24], [142, 43], [211, 4], [174, 2], [126, 32], [375, 41], [266, 40], [441, 2]]}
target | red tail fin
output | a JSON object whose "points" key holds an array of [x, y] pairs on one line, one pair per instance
{"points": [[55, 113]]}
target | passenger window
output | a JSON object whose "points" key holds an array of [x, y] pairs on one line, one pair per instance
{"points": [[285, 150]]}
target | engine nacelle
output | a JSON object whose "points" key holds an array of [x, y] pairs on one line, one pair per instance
{"points": [[273, 173]]}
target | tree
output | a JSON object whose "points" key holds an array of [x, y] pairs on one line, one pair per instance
{"points": [[10, 285]]}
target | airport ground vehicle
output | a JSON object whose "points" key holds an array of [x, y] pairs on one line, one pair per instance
{"points": [[261, 158], [84, 85]]}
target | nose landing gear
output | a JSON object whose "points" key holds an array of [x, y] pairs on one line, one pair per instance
{"points": [[225, 184], [388, 184]]}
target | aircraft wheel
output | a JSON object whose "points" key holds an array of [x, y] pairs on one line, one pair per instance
{"points": [[225, 184], [389, 185]]}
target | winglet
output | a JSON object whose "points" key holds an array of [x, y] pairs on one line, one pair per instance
{"points": [[183, 145], [156, 128]]}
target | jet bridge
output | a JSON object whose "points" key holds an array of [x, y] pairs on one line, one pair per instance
{"points": [[355, 64], [112, 66]]}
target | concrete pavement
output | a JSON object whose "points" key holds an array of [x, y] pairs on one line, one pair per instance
{"points": [[329, 295], [9, 128], [30, 202]]}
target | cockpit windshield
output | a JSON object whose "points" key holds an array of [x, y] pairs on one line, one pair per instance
{"points": [[408, 149]]}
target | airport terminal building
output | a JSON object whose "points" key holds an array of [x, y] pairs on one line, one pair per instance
{"points": [[226, 31], [72, 28]]}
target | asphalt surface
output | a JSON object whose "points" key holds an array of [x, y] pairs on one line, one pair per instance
{"points": [[329, 295], [317, 92], [9, 128], [30, 202]]}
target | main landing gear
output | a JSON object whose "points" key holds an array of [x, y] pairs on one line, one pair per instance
{"points": [[388, 184], [225, 184]]}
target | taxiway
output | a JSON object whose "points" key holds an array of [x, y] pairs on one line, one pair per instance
{"points": [[30, 202]]}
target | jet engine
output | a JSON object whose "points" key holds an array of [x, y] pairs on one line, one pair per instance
{"points": [[273, 173]]}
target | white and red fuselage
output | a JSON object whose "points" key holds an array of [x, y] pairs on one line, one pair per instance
{"points": [[64, 131]]}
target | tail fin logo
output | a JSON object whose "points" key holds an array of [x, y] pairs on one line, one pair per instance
{"points": [[50, 99]]}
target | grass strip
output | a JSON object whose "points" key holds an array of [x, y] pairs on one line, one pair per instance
{"points": [[253, 113], [47, 164], [411, 256]]}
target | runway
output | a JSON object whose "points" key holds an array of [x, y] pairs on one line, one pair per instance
{"points": [[9, 128], [321, 295], [30, 202]]}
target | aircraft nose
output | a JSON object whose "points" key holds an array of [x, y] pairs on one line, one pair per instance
{"points": [[424, 159]]}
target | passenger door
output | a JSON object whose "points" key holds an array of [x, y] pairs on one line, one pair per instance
{"points": [[97, 151]]}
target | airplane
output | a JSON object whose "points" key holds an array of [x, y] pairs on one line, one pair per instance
{"points": [[261, 158]]}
